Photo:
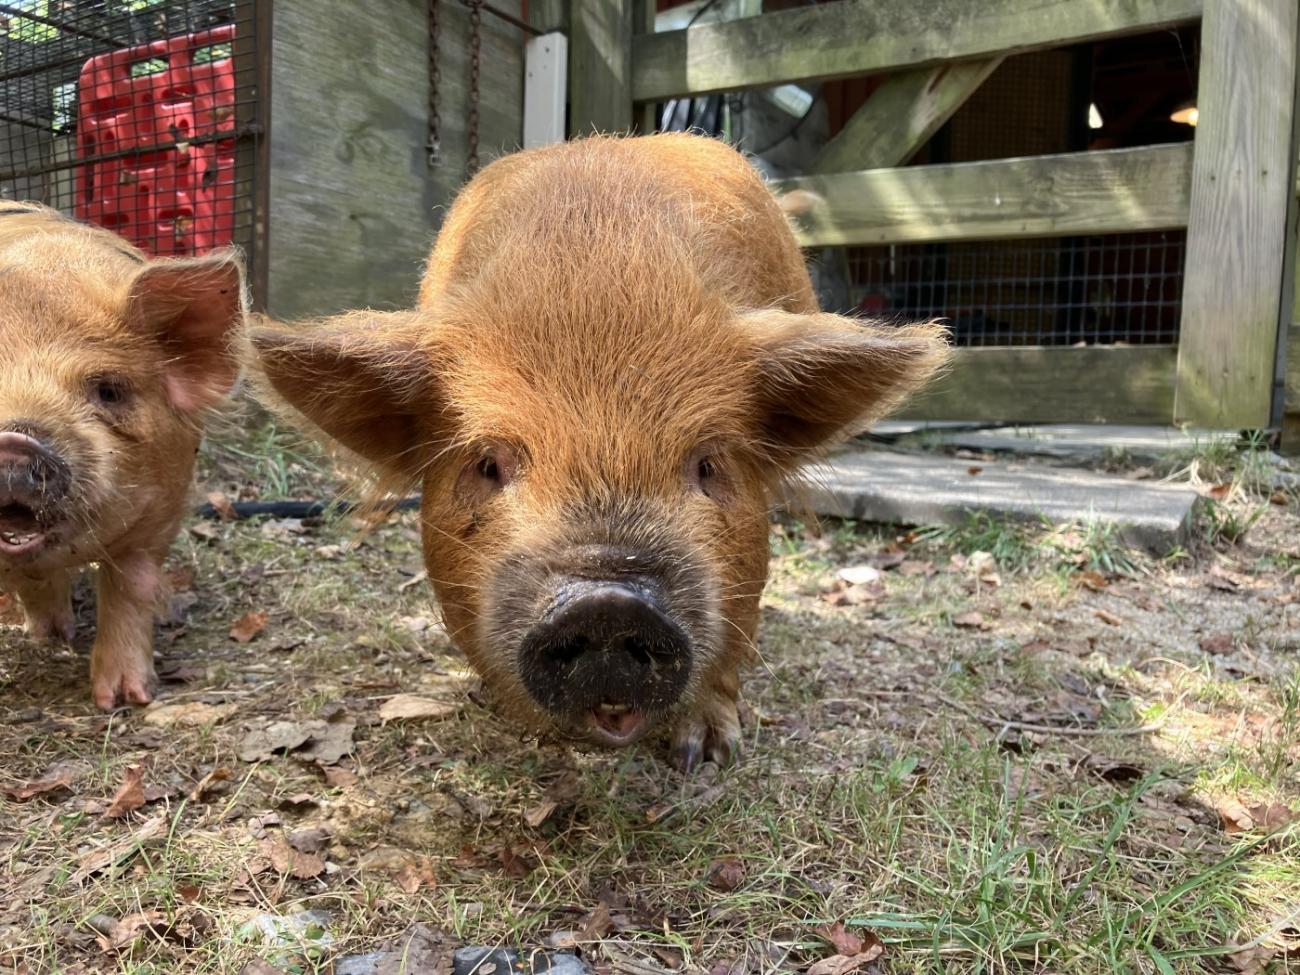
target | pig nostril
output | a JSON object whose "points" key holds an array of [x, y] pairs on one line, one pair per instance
{"points": [[570, 650], [638, 651]]}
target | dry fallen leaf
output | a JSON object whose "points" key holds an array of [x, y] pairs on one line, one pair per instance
{"points": [[1272, 815], [1107, 617], [248, 626], [413, 706], [726, 874], [972, 619], [1217, 643], [222, 506], [1093, 580], [286, 860], [1235, 817], [56, 777], [854, 950], [116, 934], [513, 864], [261, 743], [540, 813], [205, 784], [192, 714], [106, 856], [596, 925], [205, 530], [843, 964], [130, 795], [415, 874]]}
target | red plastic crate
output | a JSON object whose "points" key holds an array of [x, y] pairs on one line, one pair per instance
{"points": [[171, 201]]}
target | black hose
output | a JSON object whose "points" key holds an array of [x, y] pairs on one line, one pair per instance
{"points": [[295, 509]]}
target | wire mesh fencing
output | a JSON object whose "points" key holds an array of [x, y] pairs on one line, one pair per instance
{"points": [[1117, 288], [141, 116]]}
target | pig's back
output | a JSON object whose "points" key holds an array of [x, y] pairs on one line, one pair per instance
{"points": [[44, 241], [599, 206]]}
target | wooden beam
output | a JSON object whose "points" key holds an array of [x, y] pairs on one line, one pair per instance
{"points": [[1243, 176], [1041, 196], [1293, 369], [643, 22], [600, 52], [1098, 384], [899, 117], [855, 37]]}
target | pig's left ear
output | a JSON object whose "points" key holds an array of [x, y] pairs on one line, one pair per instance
{"points": [[822, 377], [194, 308]]}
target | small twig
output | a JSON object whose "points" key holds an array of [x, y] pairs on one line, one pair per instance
{"points": [[1046, 729]]}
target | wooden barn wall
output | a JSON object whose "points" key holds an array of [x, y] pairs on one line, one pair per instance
{"points": [[354, 204]]}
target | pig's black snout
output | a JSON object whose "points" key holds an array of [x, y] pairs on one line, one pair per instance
{"points": [[605, 648], [32, 475]]}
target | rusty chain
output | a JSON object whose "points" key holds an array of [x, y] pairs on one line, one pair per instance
{"points": [[435, 77], [475, 37]]}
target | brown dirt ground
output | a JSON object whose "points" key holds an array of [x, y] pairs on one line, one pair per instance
{"points": [[1095, 773]]}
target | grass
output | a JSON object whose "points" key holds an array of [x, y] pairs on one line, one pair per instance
{"points": [[890, 781]]}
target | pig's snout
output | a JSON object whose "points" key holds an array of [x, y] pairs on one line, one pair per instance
{"points": [[607, 657], [34, 483]]}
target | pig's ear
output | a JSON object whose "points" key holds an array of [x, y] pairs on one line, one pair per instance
{"points": [[357, 381], [823, 377], [194, 308]]}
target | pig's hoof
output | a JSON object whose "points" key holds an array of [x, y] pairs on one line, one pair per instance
{"points": [[711, 735], [52, 627], [114, 688]]}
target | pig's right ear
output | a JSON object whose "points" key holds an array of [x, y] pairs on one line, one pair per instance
{"points": [[823, 377], [372, 392]]}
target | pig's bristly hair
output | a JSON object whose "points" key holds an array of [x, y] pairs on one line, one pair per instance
{"points": [[601, 308]]}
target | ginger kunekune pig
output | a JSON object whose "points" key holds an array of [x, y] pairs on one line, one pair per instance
{"points": [[108, 362], [615, 361]]}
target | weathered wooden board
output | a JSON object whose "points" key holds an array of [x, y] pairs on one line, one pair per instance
{"points": [[600, 51], [854, 37], [899, 117], [1041, 196], [1099, 384], [354, 203], [1243, 179]]}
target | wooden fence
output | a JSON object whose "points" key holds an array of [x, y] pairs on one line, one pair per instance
{"points": [[1233, 189]]}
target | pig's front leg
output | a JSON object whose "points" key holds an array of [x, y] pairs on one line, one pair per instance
{"points": [[711, 730], [47, 606], [121, 663]]}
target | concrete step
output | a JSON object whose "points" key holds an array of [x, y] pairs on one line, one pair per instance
{"points": [[1070, 442], [926, 489]]}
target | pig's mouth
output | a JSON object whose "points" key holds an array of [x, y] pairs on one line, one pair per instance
{"points": [[616, 724], [21, 532]]}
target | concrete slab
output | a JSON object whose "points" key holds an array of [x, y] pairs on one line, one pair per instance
{"points": [[925, 489], [1085, 443]]}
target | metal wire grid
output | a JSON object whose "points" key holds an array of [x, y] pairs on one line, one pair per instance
{"points": [[1065, 291], [139, 115]]}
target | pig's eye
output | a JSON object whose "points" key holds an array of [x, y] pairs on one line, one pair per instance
{"points": [[109, 392], [704, 474], [494, 469]]}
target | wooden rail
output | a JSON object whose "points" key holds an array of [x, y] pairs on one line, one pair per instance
{"points": [[1098, 384], [1041, 196], [855, 37]]}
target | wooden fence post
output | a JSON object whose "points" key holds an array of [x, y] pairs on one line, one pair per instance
{"points": [[1242, 216], [600, 63]]}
